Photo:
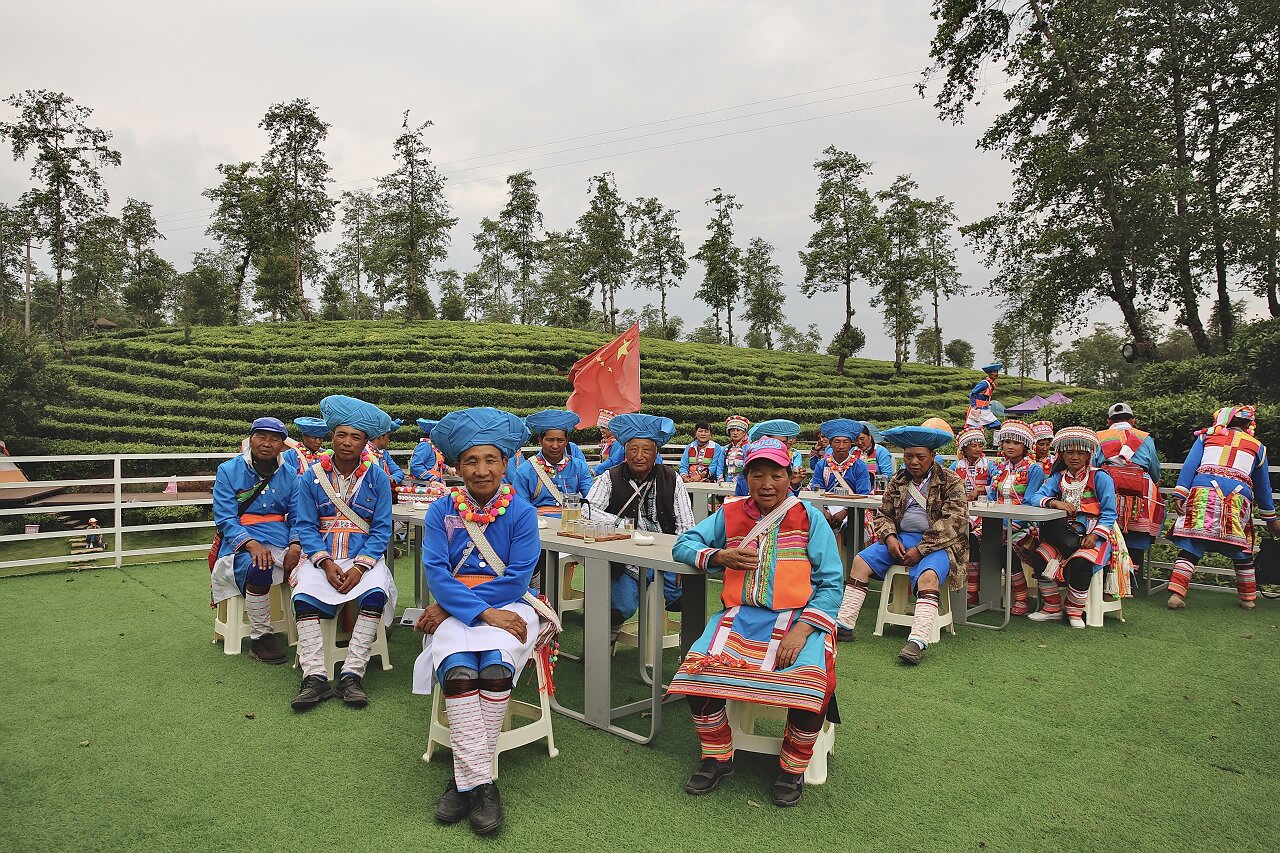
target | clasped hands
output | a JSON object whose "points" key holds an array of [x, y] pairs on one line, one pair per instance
{"points": [[433, 617], [906, 556]]}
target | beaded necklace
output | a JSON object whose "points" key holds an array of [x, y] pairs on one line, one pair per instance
{"points": [[464, 504]]}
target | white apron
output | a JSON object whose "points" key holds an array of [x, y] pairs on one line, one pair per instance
{"points": [[223, 578], [311, 580], [455, 636]]}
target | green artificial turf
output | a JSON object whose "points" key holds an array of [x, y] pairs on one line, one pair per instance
{"points": [[125, 728]]}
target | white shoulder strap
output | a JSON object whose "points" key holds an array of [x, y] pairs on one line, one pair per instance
{"points": [[342, 506], [772, 520], [545, 478]]}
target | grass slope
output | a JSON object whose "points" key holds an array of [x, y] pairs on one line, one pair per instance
{"points": [[165, 390], [1148, 735]]}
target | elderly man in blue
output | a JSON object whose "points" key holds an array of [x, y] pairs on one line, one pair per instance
{"points": [[552, 472], [253, 497], [307, 451], [702, 460], [787, 432], [424, 465], [480, 548], [343, 517], [842, 472], [773, 643]]}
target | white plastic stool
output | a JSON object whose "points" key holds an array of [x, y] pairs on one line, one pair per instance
{"points": [[896, 607], [231, 620], [632, 633], [335, 654], [570, 598], [539, 716], [742, 720], [1096, 605]]}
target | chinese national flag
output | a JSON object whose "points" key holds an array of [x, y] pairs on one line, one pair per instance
{"points": [[609, 378]]}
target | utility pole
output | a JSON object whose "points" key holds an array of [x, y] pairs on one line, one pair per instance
{"points": [[27, 322]]}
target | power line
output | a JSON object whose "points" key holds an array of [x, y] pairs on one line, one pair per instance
{"points": [[181, 214]]}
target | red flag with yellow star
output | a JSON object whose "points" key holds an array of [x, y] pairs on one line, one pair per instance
{"points": [[609, 378]]}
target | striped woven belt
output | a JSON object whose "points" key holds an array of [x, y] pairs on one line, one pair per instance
{"points": [[337, 524], [1225, 472]]}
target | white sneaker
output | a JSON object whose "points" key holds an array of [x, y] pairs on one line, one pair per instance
{"points": [[1075, 621], [1044, 616]]}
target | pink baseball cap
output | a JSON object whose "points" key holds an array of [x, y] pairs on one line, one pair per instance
{"points": [[767, 448]]}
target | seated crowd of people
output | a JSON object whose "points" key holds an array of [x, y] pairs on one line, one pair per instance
{"points": [[320, 520]]}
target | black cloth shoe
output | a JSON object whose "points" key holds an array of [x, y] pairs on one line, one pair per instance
{"points": [[843, 634], [266, 650], [351, 690], [676, 605], [911, 654], [315, 689], [709, 775], [486, 809], [787, 789], [454, 805]]}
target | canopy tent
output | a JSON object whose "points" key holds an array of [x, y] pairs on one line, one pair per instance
{"points": [[1033, 405], [1058, 398]]}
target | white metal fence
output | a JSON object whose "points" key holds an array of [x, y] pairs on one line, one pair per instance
{"points": [[119, 500]]}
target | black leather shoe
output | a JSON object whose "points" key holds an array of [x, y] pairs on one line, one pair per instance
{"points": [[787, 789], [709, 775], [351, 690], [843, 634], [676, 605], [454, 805], [486, 809], [911, 654], [315, 689], [266, 649]]}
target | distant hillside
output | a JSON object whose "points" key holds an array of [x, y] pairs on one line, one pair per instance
{"points": [[166, 391]]}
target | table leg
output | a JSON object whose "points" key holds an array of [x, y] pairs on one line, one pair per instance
{"points": [[994, 584], [597, 665]]}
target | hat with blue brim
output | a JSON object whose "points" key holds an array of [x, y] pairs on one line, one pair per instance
{"points": [[639, 425], [340, 410], [269, 425], [458, 432], [917, 436], [841, 428], [548, 419], [313, 427], [993, 367], [777, 428], [426, 425]]}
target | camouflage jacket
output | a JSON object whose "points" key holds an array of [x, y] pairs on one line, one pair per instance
{"points": [[948, 513]]}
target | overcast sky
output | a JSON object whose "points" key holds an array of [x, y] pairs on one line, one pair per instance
{"points": [[183, 88]]}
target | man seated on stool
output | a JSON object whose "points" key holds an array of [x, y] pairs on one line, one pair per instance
{"points": [[553, 472], [253, 496], [923, 524], [480, 547], [343, 517], [647, 492]]}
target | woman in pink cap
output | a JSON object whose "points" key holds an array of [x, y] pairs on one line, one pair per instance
{"points": [[774, 643]]}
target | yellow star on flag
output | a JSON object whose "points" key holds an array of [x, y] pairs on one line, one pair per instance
{"points": [[622, 350]]}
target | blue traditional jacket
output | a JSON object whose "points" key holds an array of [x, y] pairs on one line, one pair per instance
{"points": [[325, 532], [572, 476], [269, 519]]}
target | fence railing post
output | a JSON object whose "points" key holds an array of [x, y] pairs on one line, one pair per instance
{"points": [[118, 475]]}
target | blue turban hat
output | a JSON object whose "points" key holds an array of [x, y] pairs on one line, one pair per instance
{"points": [[314, 427], [652, 427], [339, 410], [841, 428], [871, 428], [540, 422], [458, 432], [995, 366], [918, 436], [778, 428], [426, 425]]}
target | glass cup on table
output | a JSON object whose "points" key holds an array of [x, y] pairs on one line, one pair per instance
{"points": [[570, 512], [589, 531]]}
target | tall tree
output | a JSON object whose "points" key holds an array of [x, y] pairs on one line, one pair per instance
{"points": [[492, 270], [415, 218], [604, 256], [475, 291], [99, 266], [959, 353], [240, 222], [901, 266], [721, 260], [453, 305], [566, 288], [521, 225], [13, 240], [848, 240], [297, 174], [659, 261], [939, 275], [69, 155], [351, 256], [762, 284], [206, 290]]}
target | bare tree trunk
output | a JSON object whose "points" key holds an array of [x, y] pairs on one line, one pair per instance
{"points": [[729, 313], [26, 322], [1273, 212], [1186, 287]]}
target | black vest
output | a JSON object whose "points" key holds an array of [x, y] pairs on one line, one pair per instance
{"points": [[665, 482]]}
